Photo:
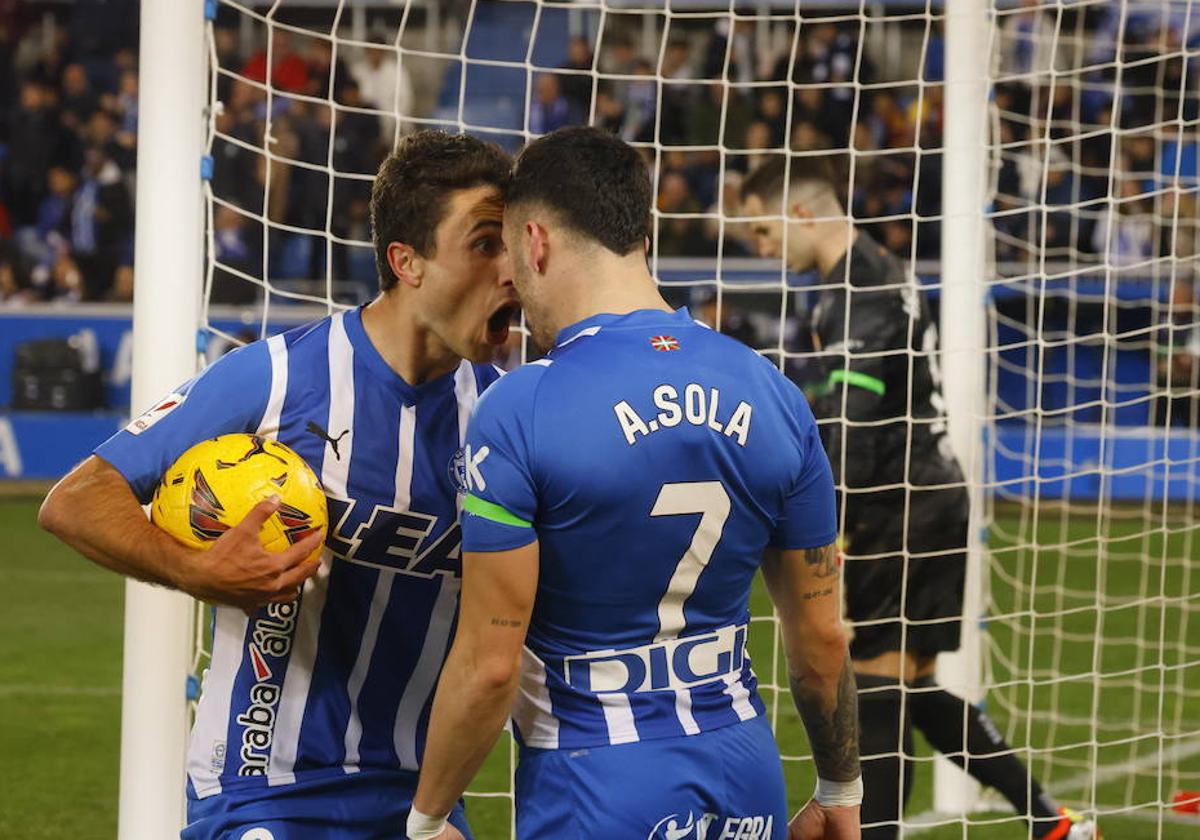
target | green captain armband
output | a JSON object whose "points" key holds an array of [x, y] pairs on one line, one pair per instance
{"points": [[492, 511]]}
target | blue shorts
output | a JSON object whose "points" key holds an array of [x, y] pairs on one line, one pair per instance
{"points": [[723, 783], [362, 806]]}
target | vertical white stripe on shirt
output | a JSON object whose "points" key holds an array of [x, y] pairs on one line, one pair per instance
{"points": [[739, 696], [229, 630], [683, 711], [335, 473], [212, 716], [424, 676], [383, 589], [269, 424], [466, 391], [532, 712], [423, 679], [619, 717]]}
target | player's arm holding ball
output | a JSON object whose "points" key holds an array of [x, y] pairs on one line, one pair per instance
{"points": [[97, 507]]}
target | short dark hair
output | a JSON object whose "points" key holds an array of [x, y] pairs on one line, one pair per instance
{"points": [[596, 183], [766, 181], [413, 185]]}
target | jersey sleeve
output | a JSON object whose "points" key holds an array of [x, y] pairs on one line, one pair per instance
{"points": [[501, 504], [229, 396], [809, 518]]}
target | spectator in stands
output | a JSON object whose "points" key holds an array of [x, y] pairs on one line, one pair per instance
{"points": [[618, 56], [238, 252], [549, 109], [125, 109], [34, 141], [733, 320], [743, 57], [577, 87], [385, 86], [678, 237], [678, 62], [1128, 235], [101, 222], [40, 244], [757, 141], [641, 104], [321, 67], [1027, 41], [719, 117], [78, 99], [289, 72], [738, 241], [14, 281], [772, 110], [610, 112]]}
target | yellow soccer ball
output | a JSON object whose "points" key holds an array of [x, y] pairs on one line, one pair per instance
{"points": [[213, 485]]}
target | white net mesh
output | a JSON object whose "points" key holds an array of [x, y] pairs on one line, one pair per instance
{"points": [[1091, 645]]}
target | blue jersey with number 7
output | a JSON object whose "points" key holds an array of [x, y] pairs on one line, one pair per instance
{"points": [[653, 460]]}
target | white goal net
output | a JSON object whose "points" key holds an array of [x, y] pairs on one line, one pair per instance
{"points": [[1089, 436]]}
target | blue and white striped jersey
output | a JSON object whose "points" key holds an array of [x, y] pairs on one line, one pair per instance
{"points": [[654, 460], [341, 680]]}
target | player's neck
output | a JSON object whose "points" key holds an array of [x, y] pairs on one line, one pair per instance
{"points": [[414, 353], [833, 245], [617, 286]]}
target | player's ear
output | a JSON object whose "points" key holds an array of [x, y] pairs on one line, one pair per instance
{"points": [[801, 212], [537, 246], [406, 264]]}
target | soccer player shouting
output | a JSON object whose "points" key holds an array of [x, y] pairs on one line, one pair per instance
{"points": [[905, 504], [312, 719], [622, 493]]}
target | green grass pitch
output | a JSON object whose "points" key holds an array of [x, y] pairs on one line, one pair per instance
{"points": [[60, 668]]}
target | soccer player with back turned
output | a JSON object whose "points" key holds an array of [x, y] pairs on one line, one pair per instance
{"points": [[622, 493], [905, 504], [312, 720]]}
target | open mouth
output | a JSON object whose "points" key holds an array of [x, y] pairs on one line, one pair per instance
{"points": [[499, 322]]}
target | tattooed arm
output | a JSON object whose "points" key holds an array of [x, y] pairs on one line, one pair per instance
{"points": [[804, 584], [480, 677]]}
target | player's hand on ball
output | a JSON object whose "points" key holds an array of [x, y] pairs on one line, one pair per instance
{"points": [[240, 572], [817, 822]]}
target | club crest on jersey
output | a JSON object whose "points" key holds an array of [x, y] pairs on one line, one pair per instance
{"points": [[153, 415], [663, 343], [457, 470], [271, 635]]}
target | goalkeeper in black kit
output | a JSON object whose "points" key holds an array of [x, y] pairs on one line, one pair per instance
{"points": [[904, 501]]}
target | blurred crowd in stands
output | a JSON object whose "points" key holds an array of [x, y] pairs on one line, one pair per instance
{"points": [[1085, 168], [68, 123]]}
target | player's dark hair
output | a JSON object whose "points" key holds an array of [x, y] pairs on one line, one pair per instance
{"points": [[596, 183], [413, 187], [766, 181]]}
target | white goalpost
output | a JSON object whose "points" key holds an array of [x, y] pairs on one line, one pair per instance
{"points": [[1032, 164], [964, 266], [169, 252]]}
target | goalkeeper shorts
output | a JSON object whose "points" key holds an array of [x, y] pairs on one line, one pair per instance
{"points": [[919, 561], [726, 782], [368, 805]]}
